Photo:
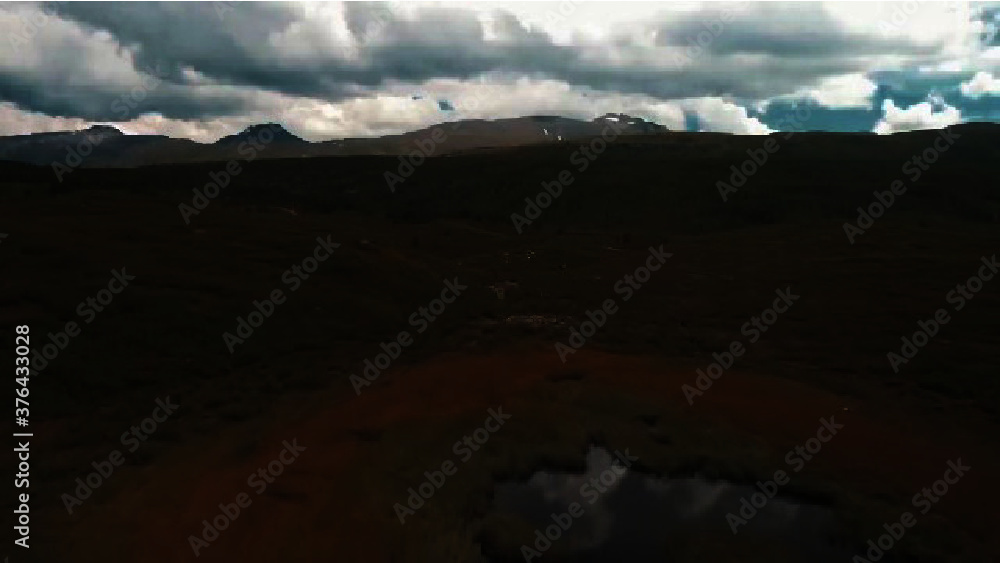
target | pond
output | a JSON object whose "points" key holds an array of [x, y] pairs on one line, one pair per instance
{"points": [[623, 515]]}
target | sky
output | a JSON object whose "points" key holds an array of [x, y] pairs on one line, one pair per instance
{"points": [[329, 70]]}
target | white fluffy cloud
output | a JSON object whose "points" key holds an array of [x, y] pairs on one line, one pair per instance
{"points": [[839, 92], [982, 84], [716, 114], [918, 116]]}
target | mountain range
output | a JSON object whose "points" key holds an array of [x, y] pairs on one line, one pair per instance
{"points": [[105, 146]]}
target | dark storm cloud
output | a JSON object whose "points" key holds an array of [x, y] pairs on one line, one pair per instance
{"points": [[223, 40], [54, 95], [228, 42], [779, 29], [445, 43], [367, 18], [77, 74], [449, 43], [725, 76]]}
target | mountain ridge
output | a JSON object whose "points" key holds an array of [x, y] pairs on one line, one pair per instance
{"points": [[106, 146]]}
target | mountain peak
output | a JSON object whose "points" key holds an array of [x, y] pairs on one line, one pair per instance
{"points": [[637, 124], [265, 132], [103, 131], [275, 128]]}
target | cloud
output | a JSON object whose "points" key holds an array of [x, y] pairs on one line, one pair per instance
{"points": [[14, 121], [783, 30], [68, 70], [982, 84], [840, 92], [918, 116], [333, 51], [716, 114], [310, 64], [505, 95]]}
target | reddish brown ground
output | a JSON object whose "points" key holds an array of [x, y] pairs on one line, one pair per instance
{"points": [[321, 505]]}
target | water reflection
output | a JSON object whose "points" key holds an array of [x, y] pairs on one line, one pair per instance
{"points": [[637, 518]]}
